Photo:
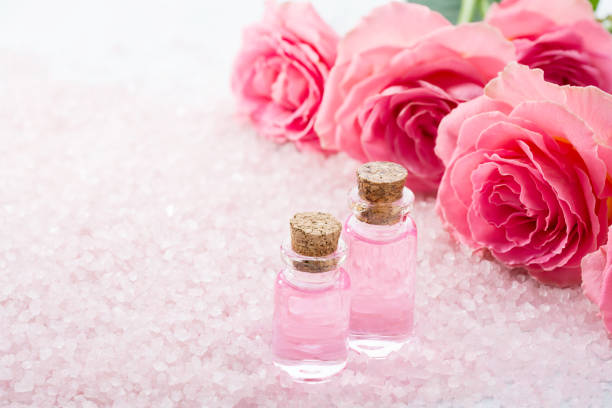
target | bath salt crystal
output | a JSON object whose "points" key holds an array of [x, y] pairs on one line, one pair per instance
{"points": [[122, 222], [176, 396], [5, 344], [6, 374], [171, 357], [26, 384], [182, 334]]}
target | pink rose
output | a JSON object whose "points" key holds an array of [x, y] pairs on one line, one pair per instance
{"points": [[561, 37], [597, 280], [281, 70], [398, 73], [528, 173]]}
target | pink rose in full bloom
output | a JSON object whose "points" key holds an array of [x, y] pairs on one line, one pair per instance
{"points": [[398, 73], [597, 280], [281, 70], [561, 37], [528, 174]]}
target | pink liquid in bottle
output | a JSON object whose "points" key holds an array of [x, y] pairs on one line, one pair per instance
{"points": [[311, 318], [381, 263]]}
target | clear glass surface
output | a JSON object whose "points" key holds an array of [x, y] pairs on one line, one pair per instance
{"points": [[381, 263], [311, 318]]}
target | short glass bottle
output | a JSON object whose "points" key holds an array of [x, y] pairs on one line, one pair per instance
{"points": [[311, 315], [381, 241]]}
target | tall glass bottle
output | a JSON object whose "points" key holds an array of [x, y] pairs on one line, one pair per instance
{"points": [[381, 241], [312, 300]]}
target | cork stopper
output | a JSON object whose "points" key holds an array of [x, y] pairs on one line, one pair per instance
{"points": [[315, 234], [381, 184]]}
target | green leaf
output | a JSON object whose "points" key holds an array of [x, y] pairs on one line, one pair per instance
{"points": [[595, 3], [448, 8], [467, 11]]}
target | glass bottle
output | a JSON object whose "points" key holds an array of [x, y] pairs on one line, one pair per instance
{"points": [[381, 241], [312, 300]]}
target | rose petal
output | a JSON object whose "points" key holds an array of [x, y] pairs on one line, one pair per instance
{"points": [[448, 131], [477, 43], [453, 204], [280, 72], [524, 17], [304, 22], [566, 57], [589, 234], [483, 231], [593, 106], [555, 143], [517, 83], [472, 128], [386, 26], [593, 268], [407, 46], [598, 42], [561, 124], [518, 23]]}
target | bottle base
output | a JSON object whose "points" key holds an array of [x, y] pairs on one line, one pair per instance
{"points": [[376, 346], [311, 371]]}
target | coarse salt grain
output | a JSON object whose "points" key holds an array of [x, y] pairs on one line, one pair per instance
{"points": [[136, 267]]}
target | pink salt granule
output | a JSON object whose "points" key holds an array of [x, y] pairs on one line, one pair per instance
{"points": [[139, 227]]}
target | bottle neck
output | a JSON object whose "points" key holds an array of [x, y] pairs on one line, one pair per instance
{"points": [[309, 280], [384, 214], [312, 272], [379, 232]]}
